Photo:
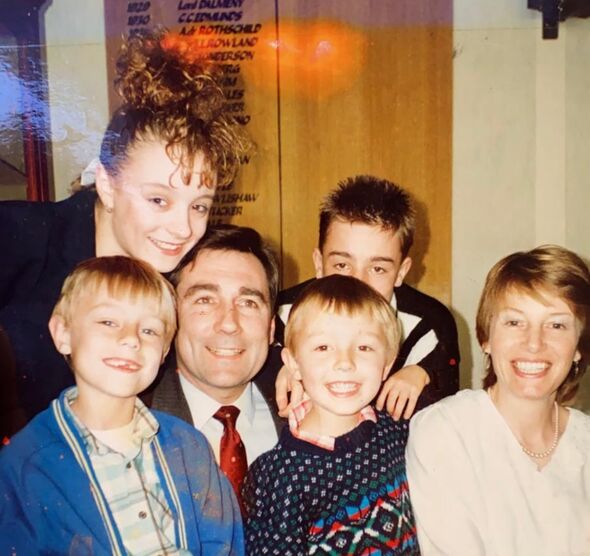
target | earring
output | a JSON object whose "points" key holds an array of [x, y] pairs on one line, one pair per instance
{"points": [[576, 367]]}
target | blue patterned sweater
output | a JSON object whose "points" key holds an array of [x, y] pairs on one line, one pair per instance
{"points": [[303, 499]]}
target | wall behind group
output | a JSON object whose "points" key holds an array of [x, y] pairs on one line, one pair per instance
{"points": [[521, 126], [77, 76]]}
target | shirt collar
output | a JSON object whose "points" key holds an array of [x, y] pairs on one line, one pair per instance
{"points": [[203, 406], [297, 414], [393, 302], [145, 428]]}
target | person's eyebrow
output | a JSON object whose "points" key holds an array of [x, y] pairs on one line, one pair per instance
{"points": [[382, 259], [200, 286], [553, 314], [107, 306], [254, 292], [164, 186], [340, 254], [347, 255]]}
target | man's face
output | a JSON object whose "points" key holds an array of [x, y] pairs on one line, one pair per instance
{"points": [[367, 252], [224, 322]]}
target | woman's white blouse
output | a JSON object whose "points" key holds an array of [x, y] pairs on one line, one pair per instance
{"points": [[474, 491]]}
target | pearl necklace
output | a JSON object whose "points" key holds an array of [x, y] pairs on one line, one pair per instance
{"points": [[549, 451]]}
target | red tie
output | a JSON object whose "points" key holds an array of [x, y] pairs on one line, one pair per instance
{"points": [[232, 454]]}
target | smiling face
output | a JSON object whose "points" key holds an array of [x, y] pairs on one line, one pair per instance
{"points": [[341, 361], [115, 345], [151, 213], [224, 322], [532, 344], [367, 252]]}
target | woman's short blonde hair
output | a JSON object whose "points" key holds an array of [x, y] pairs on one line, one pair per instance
{"points": [[122, 277], [549, 269], [342, 295]]}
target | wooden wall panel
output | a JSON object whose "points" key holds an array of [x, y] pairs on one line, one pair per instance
{"points": [[392, 118]]}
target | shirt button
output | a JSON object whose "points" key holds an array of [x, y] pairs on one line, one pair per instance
{"points": [[142, 515], [233, 459], [128, 466]]}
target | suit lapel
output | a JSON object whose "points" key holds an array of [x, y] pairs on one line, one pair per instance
{"points": [[169, 397]]}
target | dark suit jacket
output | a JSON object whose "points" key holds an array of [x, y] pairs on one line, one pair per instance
{"points": [[167, 395]]}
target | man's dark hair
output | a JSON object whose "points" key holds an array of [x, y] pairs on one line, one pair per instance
{"points": [[373, 201], [227, 237]]}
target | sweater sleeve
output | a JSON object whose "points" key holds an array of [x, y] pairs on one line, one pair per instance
{"points": [[443, 486], [17, 534], [273, 523], [441, 364], [431, 342]]}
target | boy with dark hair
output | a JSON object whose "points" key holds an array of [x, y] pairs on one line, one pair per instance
{"points": [[366, 231], [96, 472], [336, 481]]}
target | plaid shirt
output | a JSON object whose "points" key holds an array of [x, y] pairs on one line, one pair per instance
{"points": [[132, 487], [297, 414]]}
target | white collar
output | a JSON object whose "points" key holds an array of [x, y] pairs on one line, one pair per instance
{"points": [[203, 406], [393, 301]]}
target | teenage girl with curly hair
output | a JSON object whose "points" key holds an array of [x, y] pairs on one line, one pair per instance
{"points": [[164, 151]]}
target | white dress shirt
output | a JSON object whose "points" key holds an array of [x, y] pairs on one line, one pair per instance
{"points": [[254, 424]]}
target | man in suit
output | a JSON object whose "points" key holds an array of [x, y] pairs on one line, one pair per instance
{"points": [[226, 288]]}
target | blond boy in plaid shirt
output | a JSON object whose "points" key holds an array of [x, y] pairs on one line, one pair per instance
{"points": [[97, 472]]}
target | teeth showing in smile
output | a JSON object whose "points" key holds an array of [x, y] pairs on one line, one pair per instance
{"points": [[122, 364], [342, 387], [225, 352], [166, 246], [531, 367]]}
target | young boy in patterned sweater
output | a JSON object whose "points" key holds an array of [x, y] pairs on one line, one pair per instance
{"points": [[97, 472], [336, 481]]}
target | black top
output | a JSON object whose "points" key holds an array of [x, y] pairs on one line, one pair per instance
{"points": [[40, 244]]}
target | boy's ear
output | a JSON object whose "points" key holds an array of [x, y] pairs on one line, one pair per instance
{"points": [[271, 332], [404, 268], [104, 187], [291, 364], [318, 263], [60, 333]]}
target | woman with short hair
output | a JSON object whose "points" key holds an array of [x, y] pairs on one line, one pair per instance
{"points": [[506, 470]]}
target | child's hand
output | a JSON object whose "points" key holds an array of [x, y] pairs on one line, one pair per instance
{"points": [[285, 383], [402, 389]]}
